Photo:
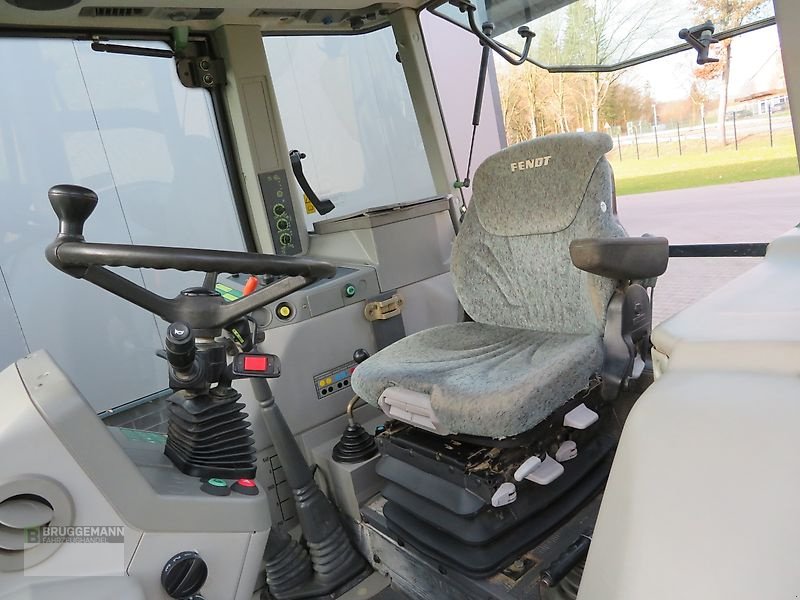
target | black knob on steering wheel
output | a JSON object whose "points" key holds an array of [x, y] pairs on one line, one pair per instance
{"points": [[74, 205]]}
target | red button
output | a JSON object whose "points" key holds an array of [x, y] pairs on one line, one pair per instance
{"points": [[246, 483], [255, 363]]}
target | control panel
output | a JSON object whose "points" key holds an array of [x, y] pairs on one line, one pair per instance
{"points": [[334, 380], [280, 212], [314, 333], [350, 285]]}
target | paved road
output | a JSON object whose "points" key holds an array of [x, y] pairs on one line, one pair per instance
{"points": [[756, 211]]}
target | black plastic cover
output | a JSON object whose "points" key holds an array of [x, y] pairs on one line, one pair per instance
{"points": [[621, 258], [489, 558]]}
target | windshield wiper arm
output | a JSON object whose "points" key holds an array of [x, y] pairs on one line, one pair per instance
{"points": [[132, 50]]}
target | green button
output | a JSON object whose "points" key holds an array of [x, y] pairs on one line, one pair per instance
{"points": [[217, 482], [349, 290]]}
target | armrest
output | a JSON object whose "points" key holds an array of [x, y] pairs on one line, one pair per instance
{"points": [[621, 258]]}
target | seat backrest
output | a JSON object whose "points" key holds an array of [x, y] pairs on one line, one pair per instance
{"points": [[511, 264]]}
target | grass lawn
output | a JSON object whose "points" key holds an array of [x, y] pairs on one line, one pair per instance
{"points": [[754, 160]]}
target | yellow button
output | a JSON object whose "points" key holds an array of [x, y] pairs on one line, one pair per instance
{"points": [[322, 383]]}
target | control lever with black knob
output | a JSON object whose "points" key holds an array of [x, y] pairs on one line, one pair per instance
{"points": [[360, 355], [355, 444], [73, 205]]}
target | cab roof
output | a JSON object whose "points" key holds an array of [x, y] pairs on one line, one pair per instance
{"points": [[272, 16]]}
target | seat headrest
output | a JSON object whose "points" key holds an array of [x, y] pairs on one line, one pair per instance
{"points": [[537, 187]]}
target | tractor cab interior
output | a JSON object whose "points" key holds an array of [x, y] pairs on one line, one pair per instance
{"points": [[402, 384]]}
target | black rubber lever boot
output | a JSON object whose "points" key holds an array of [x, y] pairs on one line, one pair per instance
{"points": [[335, 561], [287, 564]]}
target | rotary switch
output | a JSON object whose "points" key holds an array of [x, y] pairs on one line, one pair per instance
{"points": [[184, 575]]}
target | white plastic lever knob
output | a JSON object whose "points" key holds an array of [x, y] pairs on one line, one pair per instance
{"points": [[566, 451], [580, 417], [528, 467], [505, 494]]}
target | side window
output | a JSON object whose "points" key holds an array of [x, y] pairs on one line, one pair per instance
{"points": [[344, 102], [125, 127], [702, 154]]}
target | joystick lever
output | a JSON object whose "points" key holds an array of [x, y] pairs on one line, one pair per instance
{"points": [[73, 205], [360, 355]]}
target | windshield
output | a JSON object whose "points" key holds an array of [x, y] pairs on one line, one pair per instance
{"points": [[605, 32], [125, 127]]}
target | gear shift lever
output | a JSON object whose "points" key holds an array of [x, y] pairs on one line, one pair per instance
{"points": [[355, 445]]}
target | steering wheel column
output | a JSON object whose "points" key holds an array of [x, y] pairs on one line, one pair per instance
{"points": [[209, 434]]}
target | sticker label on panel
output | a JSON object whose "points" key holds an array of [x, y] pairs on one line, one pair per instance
{"points": [[335, 380]]}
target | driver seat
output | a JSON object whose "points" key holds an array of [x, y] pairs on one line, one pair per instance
{"points": [[539, 333]]}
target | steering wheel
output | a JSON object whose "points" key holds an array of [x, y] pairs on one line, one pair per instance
{"points": [[203, 309]]}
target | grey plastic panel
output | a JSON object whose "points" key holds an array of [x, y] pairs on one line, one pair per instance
{"points": [[382, 215], [350, 484], [40, 466], [703, 490], [321, 297], [151, 494], [225, 555], [69, 588], [313, 346], [410, 244]]}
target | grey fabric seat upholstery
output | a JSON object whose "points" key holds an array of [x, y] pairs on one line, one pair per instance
{"points": [[522, 375], [537, 336]]}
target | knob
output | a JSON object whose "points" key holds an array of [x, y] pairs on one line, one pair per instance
{"points": [[180, 345], [184, 574], [73, 204], [360, 355]]}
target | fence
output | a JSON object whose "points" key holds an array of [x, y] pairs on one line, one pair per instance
{"points": [[656, 139]]}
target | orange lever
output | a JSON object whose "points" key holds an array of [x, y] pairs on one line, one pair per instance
{"points": [[250, 286]]}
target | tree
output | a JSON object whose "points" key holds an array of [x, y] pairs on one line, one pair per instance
{"points": [[626, 103], [699, 93], [513, 104], [725, 14]]}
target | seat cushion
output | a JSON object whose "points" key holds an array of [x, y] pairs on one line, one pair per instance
{"points": [[484, 380]]}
